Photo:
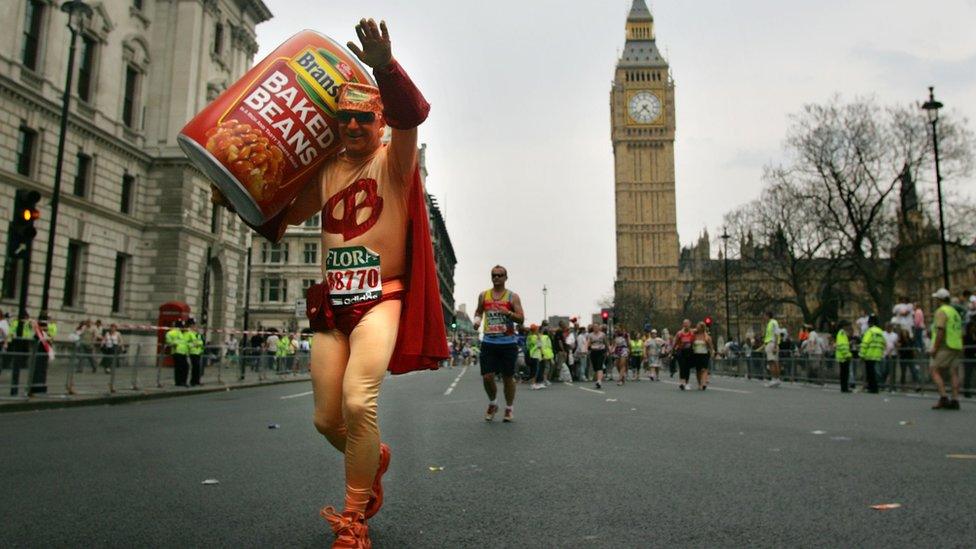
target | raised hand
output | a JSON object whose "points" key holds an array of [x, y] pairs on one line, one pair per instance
{"points": [[375, 41]]}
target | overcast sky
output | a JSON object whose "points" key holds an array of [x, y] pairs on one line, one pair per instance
{"points": [[518, 138]]}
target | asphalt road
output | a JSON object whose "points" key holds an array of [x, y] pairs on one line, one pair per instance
{"points": [[644, 465]]}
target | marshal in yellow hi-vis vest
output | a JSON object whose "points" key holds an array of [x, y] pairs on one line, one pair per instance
{"points": [[953, 327]]}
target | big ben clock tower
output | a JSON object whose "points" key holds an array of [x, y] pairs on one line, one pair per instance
{"points": [[642, 122]]}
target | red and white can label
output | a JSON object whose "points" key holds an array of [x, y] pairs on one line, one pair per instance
{"points": [[265, 137]]}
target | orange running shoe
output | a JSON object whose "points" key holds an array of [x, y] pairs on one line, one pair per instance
{"points": [[376, 500], [492, 410], [349, 527]]}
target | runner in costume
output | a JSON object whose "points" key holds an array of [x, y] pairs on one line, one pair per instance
{"points": [[378, 307], [501, 310]]}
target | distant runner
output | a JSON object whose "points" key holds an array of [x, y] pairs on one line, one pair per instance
{"points": [[502, 310]]}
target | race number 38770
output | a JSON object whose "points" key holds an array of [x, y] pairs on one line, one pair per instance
{"points": [[360, 279], [353, 275]]}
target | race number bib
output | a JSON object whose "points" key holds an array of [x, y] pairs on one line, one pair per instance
{"points": [[353, 275], [496, 322]]}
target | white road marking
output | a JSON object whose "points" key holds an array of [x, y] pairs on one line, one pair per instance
{"points": [[591, 390], [712, 388], [298, 395], [456, 380]]}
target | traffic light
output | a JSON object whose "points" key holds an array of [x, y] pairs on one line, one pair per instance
{"points": [[708, 321], [22, 230], [454, 323], [605, 314]]}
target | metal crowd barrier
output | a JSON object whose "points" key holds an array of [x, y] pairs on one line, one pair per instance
{"points": [[27, 372], [892, 374]]}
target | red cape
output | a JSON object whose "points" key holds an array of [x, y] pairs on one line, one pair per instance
{"points": [[421, 341]]}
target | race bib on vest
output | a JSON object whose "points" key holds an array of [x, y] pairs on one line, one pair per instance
{"points": [[353, 275], [496, 322]]}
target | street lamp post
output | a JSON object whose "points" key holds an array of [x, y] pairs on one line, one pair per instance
{"points": [[77, 10], [545, 303], [725, 267], [931, 108]]}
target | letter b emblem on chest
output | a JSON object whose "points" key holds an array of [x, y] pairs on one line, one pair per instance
{"points": [[347, 225]]}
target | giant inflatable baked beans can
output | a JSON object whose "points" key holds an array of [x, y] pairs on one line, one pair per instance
{"points": [[265, 136]]}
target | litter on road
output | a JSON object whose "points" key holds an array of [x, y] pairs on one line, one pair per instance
{"points": [[274, 426], [886, 506], [818, 432], [435, 468], [961, 456], [211, 481]]}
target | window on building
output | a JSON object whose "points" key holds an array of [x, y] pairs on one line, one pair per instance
{"points": [[128, 193], [306, 284], [11, 268], [313, 221], [274, 290], [311, 255], [274, 253], [130, 106], [32, 33], [137, 4], [214, 218], [26, 140], [86, 68], [218, 43], [82, 175], [119, 286], [72, 273]]}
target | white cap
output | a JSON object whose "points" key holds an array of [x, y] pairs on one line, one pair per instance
{"points": [[942, 293]]}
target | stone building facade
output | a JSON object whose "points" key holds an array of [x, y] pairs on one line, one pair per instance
{"points": [[280, 273], [135, 226]]}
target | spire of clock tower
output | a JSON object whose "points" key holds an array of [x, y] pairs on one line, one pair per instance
{"points": [[640, 49], [640, 22]]}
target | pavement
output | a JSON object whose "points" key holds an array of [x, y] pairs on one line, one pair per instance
{"points": [[643, 465], [129, 379]]}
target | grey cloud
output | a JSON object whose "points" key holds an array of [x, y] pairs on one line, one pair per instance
{"points": [[750, 158], [903, 69]]}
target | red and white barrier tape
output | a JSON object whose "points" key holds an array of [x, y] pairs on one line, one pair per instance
{"points": [[149, 327]]}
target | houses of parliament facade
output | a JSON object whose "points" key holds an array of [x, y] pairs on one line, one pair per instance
{"points": [[658, 282]]}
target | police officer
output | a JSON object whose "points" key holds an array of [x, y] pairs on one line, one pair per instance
{"points": [[178, 349], [194, 343], [842, 354], [872, 351]]}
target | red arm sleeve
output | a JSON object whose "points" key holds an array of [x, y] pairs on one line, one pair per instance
{"points": [[404, 107]]}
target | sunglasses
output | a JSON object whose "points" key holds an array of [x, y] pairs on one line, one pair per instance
{"points": [[498, 275], [360, 117]]}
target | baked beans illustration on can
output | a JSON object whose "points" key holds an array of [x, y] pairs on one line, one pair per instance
{"points": [[264, 137]]}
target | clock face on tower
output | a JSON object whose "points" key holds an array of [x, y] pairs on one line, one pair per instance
{"points": [[644, 107]]}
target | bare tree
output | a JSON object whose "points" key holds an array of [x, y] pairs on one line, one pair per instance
{"points": [[796, 256], [848, 160]]}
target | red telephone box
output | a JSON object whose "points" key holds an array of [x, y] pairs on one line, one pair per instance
{"points": [[169, 312]]}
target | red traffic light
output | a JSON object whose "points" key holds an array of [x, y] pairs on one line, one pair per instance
{"points": [[708, 321], [605, 314]]}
